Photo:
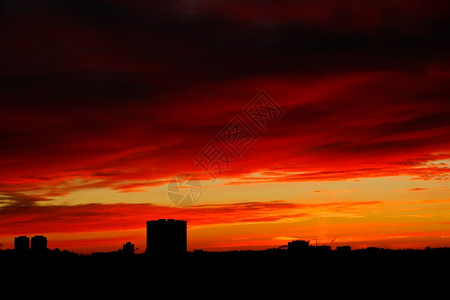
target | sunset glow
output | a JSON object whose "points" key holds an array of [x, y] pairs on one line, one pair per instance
{"points": [[103, 103]]}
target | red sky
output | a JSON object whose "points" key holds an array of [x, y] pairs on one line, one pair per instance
{"points": [[101, 103]]}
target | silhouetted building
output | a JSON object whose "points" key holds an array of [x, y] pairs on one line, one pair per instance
{"points": [[297, 247], [320, 250], [21, 244], [128, 249], [343, 249], [198, 252], [166, 237], [38, 245]]}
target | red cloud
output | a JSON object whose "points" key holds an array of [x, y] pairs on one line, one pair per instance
{"points": [[110, 217], [327, 133], [124, 97], [417, 189]]}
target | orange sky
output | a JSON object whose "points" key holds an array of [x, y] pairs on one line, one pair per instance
{"points": [[394, 212]]}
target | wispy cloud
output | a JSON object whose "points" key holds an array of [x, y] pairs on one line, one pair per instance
{"points": [[418, 189], [108, 217], [334, 191]]}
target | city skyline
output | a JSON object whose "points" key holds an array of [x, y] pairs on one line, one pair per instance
{"points": [[167, 238], [257, 122]]}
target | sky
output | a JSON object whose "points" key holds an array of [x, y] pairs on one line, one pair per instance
{"points": [[102, 102]]}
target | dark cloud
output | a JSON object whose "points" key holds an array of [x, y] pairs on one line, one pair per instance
{"points": [[15, 199], [90, 88]]}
